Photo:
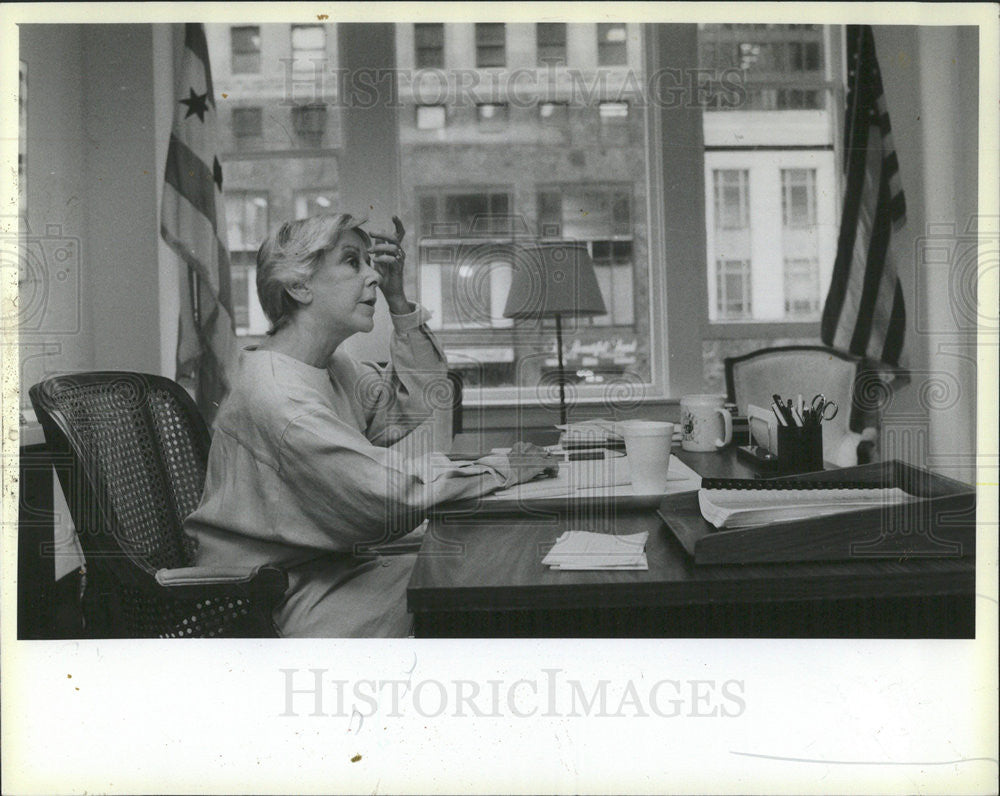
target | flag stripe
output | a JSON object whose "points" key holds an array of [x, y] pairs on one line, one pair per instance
{"points": [[856, 220], [872, 275], [893, 347], [191, 178], [856, 132]]}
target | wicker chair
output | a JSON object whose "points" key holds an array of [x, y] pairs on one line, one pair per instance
{"points": [[130, 451]]}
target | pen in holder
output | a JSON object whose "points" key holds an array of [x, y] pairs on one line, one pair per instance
{"points": [[800, 448]]}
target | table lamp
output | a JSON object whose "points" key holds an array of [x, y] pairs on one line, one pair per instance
{"points": [[551, 280]]}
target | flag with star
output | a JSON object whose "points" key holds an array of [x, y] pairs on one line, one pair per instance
{"points": [[192, 222], [864, 311]]}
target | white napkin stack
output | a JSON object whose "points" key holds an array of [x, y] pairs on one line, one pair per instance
{"points": [[589, 550]]}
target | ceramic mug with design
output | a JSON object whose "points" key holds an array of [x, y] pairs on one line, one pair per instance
{"points": [[705, 423]]}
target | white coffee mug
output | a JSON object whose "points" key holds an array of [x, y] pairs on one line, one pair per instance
{"points": [[705, 423]]}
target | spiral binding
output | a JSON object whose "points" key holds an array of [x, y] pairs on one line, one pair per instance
{"points": [[755, 483]]}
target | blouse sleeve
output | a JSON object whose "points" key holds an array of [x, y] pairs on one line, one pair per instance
{"points": [[414, 385], [359, 494]]}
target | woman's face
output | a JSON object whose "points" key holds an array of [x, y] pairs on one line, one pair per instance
{"points": [[343, 287]]}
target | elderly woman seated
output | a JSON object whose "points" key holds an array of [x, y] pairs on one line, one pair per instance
{"points": [[299, 474]]}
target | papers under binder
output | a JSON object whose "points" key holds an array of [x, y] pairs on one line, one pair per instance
{"points": [[747, 508], [588, 550]]}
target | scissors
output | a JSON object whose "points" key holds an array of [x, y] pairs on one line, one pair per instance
{"points": [[820, 408]]}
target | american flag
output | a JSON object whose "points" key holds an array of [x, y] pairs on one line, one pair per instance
{"points": [[192, 222], [864, 311]]}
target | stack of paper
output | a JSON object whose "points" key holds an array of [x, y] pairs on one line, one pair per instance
{"points": [[588, 550]]}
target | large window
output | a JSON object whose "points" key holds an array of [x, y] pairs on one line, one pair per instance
{"points": [[486, 168]]}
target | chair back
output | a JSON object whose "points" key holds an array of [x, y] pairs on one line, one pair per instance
{"points": [[131, 451], [793, 370]]}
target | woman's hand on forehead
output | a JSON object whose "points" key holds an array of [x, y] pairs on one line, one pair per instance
{"points": [[397, 238]]}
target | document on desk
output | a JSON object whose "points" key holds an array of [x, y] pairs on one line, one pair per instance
{"points": [[588, 550], [597, 478]]}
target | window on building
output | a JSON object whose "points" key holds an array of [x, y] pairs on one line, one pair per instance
{"points": [[491, 44], [245, 49], [611, 44], [732, 296], [798, 197], [802, 297], [246, 228], [431, 117], [550, 42], [247, 122], [316, 201], [309, 123], [491, 116], [428, 44], [732, 198], [308, 48], [615, 129]]}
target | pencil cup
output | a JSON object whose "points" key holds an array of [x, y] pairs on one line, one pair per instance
{"points": [[800, 448], [647, 449]]}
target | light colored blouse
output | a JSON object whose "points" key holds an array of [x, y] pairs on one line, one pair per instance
{"points": [[295, 480]]}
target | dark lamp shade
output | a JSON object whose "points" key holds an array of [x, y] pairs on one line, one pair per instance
{"points": [[551, 279]]}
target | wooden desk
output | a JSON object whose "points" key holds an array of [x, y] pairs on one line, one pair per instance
{"points": [[478, 575]]}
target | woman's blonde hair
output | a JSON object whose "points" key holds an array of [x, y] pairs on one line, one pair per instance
{"points": [[291, 255]]}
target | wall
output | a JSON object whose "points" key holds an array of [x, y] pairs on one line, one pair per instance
{"points": [[56, 334], [930, 77], [92, 174]]}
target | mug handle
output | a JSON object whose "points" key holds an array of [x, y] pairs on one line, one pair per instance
{"points": [[728, 431]]}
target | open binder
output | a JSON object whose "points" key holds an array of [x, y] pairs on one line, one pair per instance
{"points": [[940, 522]]}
